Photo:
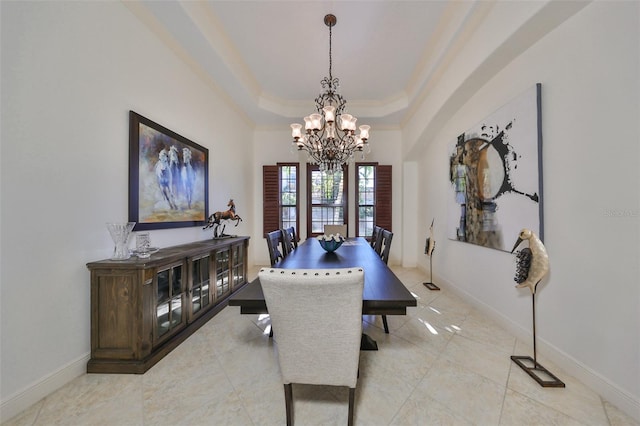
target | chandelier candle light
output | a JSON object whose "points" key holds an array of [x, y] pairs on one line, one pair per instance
{"points": [[330, 138]]}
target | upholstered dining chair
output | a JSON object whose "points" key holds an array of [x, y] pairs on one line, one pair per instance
{"points": [[322, 307], [274, 243], [336, 229], [290, 240]]}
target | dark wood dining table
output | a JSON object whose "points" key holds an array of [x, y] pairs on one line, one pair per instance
{"points": [[383, 294]]}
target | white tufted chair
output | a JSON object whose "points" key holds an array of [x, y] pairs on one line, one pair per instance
{"points": [[317, 318]]}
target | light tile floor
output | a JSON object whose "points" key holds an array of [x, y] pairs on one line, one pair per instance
{"points": [[443, 363]]}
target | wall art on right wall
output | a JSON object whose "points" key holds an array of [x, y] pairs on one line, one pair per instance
{"points": [[495, 171]]}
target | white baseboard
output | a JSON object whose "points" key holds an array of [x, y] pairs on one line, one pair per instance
{"points": [[24, 399], [599, 384]]}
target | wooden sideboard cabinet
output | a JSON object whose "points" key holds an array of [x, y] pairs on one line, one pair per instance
{"points": [[141, 309]]}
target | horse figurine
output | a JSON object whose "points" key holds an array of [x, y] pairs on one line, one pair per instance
{"points": [[214, 219]]}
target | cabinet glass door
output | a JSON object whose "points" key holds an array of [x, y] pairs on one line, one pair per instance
{"points": [[200, 284], [222, 273], [238, 267], [170, 290]]}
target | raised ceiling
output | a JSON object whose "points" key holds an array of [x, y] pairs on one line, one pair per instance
{"points": [[268, 57]]}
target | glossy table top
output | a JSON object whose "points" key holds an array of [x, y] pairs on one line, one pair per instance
{"points": [[384, 293]]}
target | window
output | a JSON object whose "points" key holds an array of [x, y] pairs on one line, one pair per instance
{"points": [[366, 185], [289, 196], [373, 195], [326, 199], [281, 206]]}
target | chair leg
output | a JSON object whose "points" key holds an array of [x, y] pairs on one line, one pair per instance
{"points": [[352, 397], [271, 332], [384, 322], [288, 403]]}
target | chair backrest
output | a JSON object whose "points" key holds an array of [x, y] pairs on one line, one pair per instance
{"points": [[387, 236], [290, 240], [274, 242], [377, 245], [323, 306], [375, 235], [336, 229]]}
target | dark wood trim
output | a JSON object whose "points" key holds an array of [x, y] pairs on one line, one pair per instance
{"points": [[384, 197], [270, 198]]}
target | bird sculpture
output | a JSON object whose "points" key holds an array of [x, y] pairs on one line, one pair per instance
{"points": [[431, 242], [532, 263]]}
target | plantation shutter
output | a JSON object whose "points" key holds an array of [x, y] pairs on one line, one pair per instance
{"points": [[270, 199], [383, 197]]}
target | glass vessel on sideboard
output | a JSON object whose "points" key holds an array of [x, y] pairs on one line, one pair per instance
{"points": [[120, 233]]}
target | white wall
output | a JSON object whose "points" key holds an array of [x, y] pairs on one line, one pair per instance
{"points": [[71, 71], [273, 146], [588, 311]]}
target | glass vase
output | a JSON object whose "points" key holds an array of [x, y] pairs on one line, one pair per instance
{"points": [[120, 233]]}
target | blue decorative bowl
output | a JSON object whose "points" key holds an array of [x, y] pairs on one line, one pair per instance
{"points": [[330, 245]]}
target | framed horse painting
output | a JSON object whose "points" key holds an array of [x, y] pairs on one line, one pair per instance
{"points": [[168, 177]]}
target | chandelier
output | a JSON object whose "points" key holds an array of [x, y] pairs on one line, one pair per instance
{"points": [[329, 134]]}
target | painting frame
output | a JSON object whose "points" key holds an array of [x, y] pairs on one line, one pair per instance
{"points": [[495, 173], [168, 177]]}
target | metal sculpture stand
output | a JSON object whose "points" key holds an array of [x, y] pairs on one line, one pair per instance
{"points": [[430, 285], [531, 366], [218, 232]]}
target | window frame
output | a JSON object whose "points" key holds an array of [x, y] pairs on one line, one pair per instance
{"points": [[383, 196], [297, 192], [357, 196], [345, 198], [272, 196]]}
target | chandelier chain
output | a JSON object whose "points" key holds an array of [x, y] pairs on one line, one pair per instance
{"points": [[330, 60]]}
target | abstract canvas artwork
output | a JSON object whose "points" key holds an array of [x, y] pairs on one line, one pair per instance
{"points": [[495, 174]]}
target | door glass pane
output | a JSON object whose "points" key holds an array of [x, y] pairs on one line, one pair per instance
{"points": [[163, 285], [196, 299], [222, 272], [366, 199], [199, 277], [176, 311], [327, 199], [289, 217], [195, 272], [162, 318], [205, 293], [326, 188], [177, 280], [204, 268]]}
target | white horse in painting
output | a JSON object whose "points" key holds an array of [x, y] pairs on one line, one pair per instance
{"points": [[174, 167], [188, 175], [163, 174]]}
